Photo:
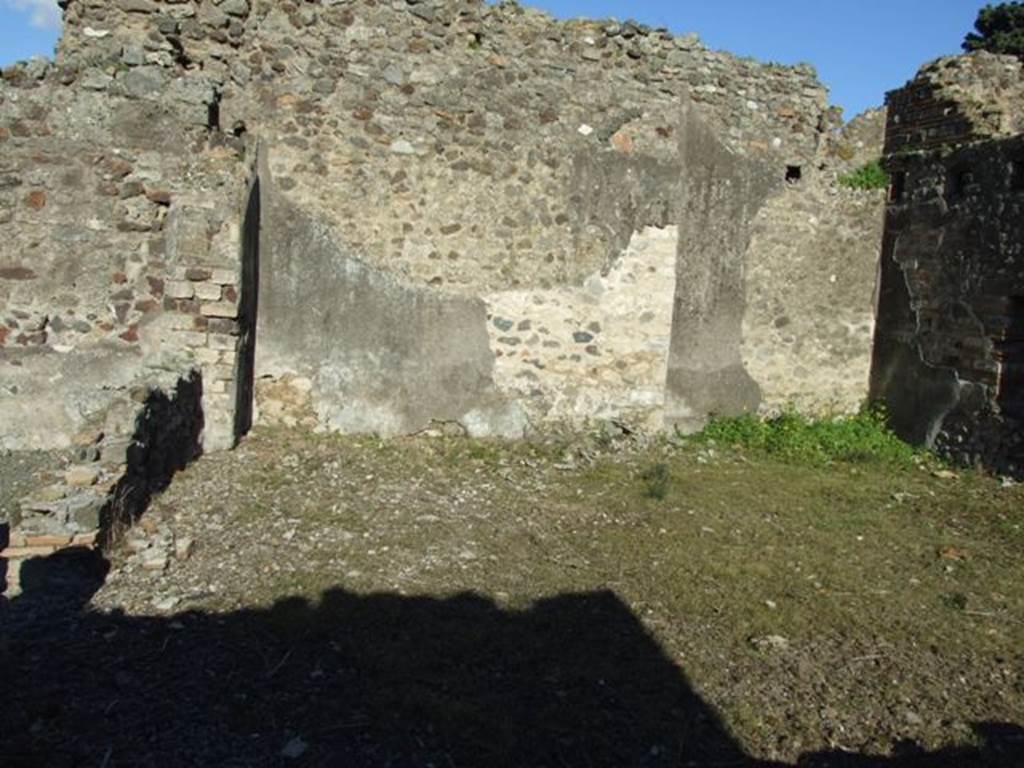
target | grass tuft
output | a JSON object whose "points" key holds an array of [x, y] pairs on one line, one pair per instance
{"points": [[656, 480], [794, 437], [869, 176]]}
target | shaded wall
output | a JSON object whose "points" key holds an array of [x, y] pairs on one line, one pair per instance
{"points": [[948, 353], [378, 355], [721, 194]]}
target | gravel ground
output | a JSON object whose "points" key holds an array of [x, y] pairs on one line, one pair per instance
{"points": [[440, 602]]}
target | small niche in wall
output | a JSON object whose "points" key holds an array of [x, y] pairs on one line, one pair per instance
{"points": [[794, 173], [898, 187], [1017, 174], [957, 182], [1009, 353]]}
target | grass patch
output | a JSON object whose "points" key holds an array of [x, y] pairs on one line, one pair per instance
{"points": [[869, 176], [656, 479], [795, 437]]}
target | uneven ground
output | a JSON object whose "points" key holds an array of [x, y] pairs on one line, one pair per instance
{"points": [[453, 603]]}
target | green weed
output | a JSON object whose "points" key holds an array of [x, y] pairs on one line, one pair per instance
{"points": [[792, 436], [869, 176], [656, 480]]}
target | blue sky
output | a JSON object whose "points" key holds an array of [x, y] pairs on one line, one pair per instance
{"points": [[861, 48]]}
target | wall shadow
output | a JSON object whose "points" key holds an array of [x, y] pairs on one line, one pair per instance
{"points": [[167, 438], [362, 680], [248, 304]]}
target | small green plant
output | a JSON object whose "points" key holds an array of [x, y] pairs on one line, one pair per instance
{"points": [[795, 437], [656, 479], [869, 176]]}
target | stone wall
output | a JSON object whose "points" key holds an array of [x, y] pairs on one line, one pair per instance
{"points": [[948, 354], [119, 218], [468, 213]]}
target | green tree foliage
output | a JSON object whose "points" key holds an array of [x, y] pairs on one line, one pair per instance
{"points": [[1000, 29]]}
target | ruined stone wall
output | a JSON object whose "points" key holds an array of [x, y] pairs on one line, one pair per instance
{"points": [[948, 354], [490, 220]]}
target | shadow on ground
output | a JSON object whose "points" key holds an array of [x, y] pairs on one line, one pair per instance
{"points": [[376, 680]]}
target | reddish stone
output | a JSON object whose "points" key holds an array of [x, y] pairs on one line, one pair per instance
{"points": [[623, 143], [159, 196], [198, 274], [147, 306], [548, 116], [120, 278], [107, 189], [185, 306], [105, 327], [131, 335], [4, 330], [4, 134], [85, 539], [36, 200], [200, 322], [117, 167], [12, 553], [362, 113], [17, 273], [47, 541], [230, 293]]}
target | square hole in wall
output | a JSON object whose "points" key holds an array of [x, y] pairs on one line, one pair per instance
{"points": [[1017, 175], [898, 187], [794, 173], [957, 182]]}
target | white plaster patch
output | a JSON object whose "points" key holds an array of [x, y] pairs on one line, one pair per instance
{"points": [[594, 351]]}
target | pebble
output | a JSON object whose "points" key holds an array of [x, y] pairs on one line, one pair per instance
{"points": [[154, 560], [183, 548], [82, 477], [166, 604], [295, 748]]}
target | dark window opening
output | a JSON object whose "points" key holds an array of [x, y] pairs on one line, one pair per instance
{"points": [[1009, 353], [213, 113], [898, 187], [1017, 175], [957, 183], [794, 173]]}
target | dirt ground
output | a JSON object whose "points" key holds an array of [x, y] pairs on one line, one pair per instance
{"points": [[329, 601]]}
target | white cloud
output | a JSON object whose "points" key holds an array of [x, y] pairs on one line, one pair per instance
{"points": [[41, 13]]}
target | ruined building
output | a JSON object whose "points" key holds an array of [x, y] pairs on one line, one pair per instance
{"points": [[949, 352], [401, 216]]}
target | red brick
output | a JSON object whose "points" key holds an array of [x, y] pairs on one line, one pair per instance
{"points": [[159, 196], [47, 541], [198, 274], [36, 200], [15, 553], [17, 273], [85, 539]]}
